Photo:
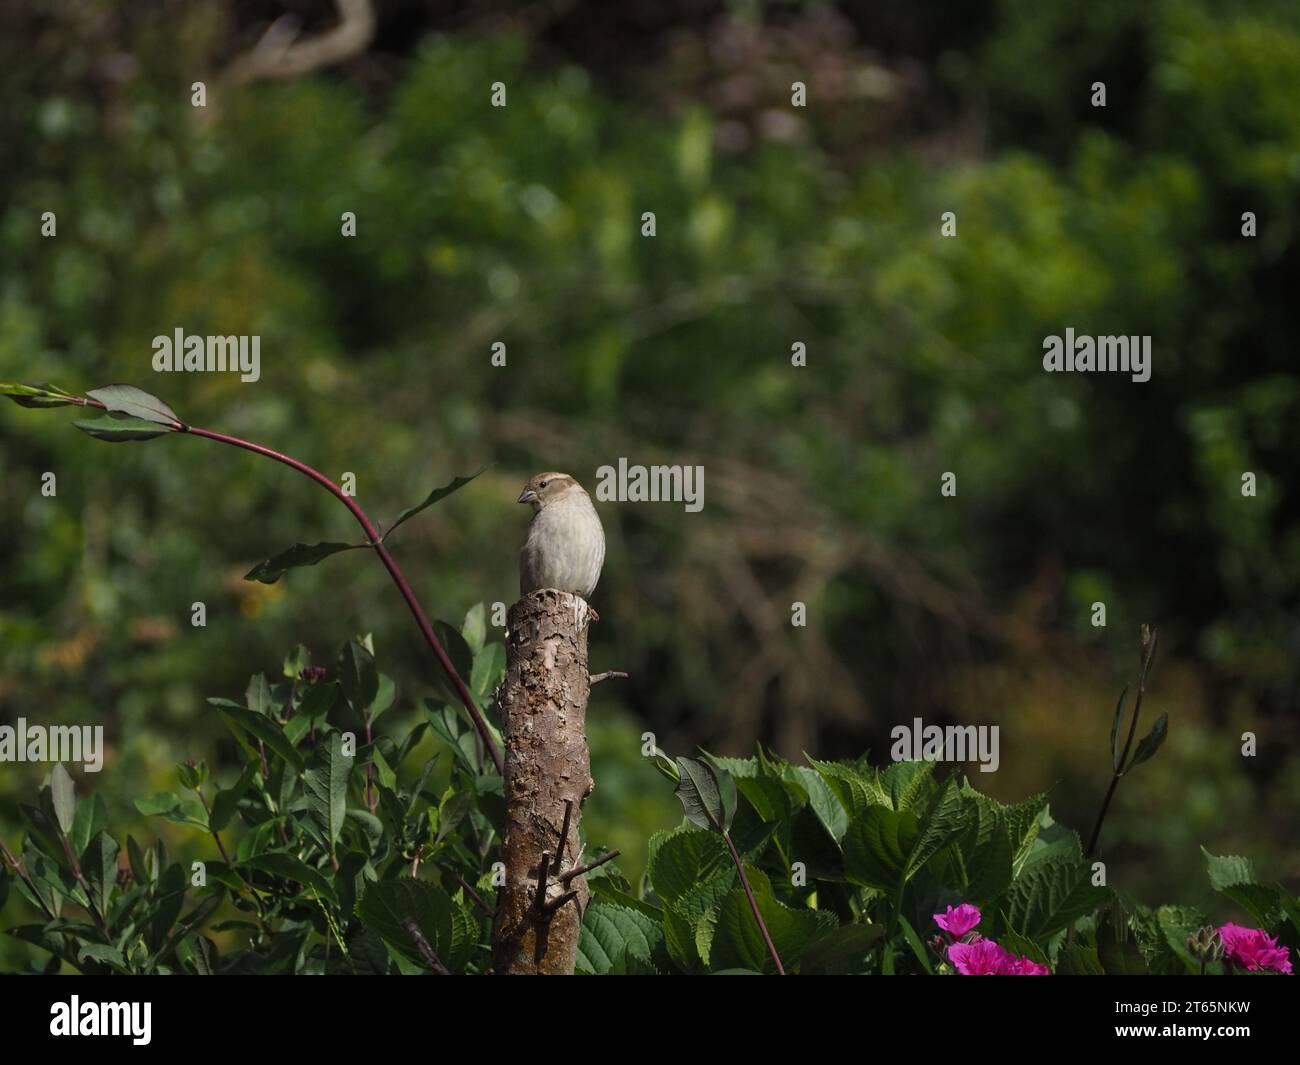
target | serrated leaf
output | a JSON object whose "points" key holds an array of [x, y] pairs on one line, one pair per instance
{"points": [[885, 846], [738, 941], [1050, 894], [841, 951], [617, 940], [700, 794], [120, 429], [433, 497], [325, 783], [1235, 877], [100, 870], [135, 403], [298, 555], [449, 929]]}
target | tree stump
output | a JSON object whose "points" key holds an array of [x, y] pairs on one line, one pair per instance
{"points": [[548, 777]]}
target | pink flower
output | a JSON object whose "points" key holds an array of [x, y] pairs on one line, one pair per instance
{"points": [[958, 921], [1252, 949], [986, 958], [1025, 967], [981, 958]]}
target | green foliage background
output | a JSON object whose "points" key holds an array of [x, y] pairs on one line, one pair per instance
{"points": [[521, 224]]}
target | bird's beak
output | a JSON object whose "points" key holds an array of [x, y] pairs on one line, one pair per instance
{"points": [[527, 496]]}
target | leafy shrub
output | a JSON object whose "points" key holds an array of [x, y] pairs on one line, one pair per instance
{"points": [[332, 854]]}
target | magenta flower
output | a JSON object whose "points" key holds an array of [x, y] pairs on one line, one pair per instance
{"points": [[1253, 949], [1023, 966], [986, 958], [981, 958], [957, 921]]}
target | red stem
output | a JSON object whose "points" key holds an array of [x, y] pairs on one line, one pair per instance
{"points": [[753, 904], [394, 571]]}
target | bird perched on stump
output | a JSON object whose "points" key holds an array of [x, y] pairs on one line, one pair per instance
{"points": [[566, 544]]}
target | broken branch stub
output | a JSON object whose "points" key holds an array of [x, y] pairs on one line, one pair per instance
{"points": [[548, 776]]}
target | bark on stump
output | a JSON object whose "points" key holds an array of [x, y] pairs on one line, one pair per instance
{"points": [[548, 772]]}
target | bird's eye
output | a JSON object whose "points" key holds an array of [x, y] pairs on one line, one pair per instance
{"points": [[542, 485]]}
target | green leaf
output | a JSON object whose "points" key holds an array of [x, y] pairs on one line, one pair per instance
{"points": [[277, 863], [1234, 876], [830, 811], [686, 858], [1150, 742], [273, 569], [429, 500], [241, 720], [701, 794], [884, 846], [914, 941], [43, 395], [906, 782], [738, 941], [117, 430], [617, 940], [317, 700], [135, 403], [1114, 728], [227, 800], [449, 929], [257, 696], [489, 667], [326, 785], [358, 677], [1079, 961], [171, 806], [842, 951], [856, 786], [65, 797], [1050, 894], [474, 628], [100, 870]]}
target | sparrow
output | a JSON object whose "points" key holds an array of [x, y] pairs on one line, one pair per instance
{"points": [[566, 543]]}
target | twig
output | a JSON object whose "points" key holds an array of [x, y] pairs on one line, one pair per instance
{"points": [[753, 903], [543, 871], [564, 833], [478, 899], [17, 866], [612, 674], [399, 578], [1119, 768], [422, 945], [550, 908], [579, 870]]}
